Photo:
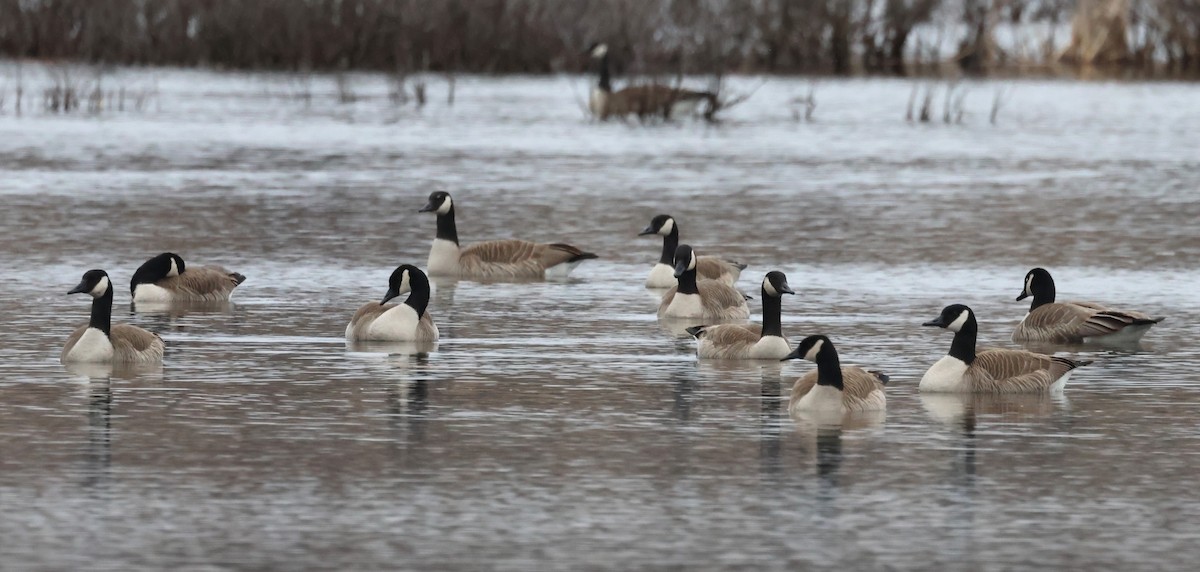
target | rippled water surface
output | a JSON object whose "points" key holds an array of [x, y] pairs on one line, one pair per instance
{"points": [[558, 424]]}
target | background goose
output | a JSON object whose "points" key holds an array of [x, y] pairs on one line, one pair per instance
{"points": [[749, 341], [1074, 322], [497, 259], [662, 275], [406, 322], [706, 299], [993, 370], [165, 278], [102, 342], [833, 388], [642, 100]]}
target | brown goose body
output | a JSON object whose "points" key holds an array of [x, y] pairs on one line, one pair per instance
{"points": [[512, 259], [409, 321], [833, 388], [708, 267], [1079, 322], [1074, 322], [496, 260], [102, 342], [165, 278], [361, 329], [963, 370], [714, 301], [864, 390], [200, 284], [652, 100], [644, 101], [749, 341], [707, 300], [130, 344]]}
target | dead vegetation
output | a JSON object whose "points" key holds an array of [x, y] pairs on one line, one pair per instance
{"points": [[68, 89], [923, 97], [896, 37]]}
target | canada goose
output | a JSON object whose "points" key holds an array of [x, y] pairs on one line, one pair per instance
{"points": [[1074, 322], [642, 100], [992, 370], [164, 278], [706, 299], [102, 342], [496, 259], [833, 388], [406, 322], [749, 341], [662, 275]]}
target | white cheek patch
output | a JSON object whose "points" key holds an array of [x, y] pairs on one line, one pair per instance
{"points": [[446, 205], [692, 262], [101, 288], [769, 288], [599, 51], [1029, 285], [813, 351], [667, 227], [174, 271], [958, 322], [405, 286]]}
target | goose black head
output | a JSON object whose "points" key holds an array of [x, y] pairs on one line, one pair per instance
{"points": [[685, 260], [1038, 283], [162, 266], [809, 348], [775, 284], [953, 317], [94, 283], [439, 202], [400, 282], [661, 224]]}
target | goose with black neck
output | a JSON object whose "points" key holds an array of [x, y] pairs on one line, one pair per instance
{"points": [[409, 321], [165, 279], [1075, 322], [749, 341], [832, 387], [662, 274], [496, 260], [963, 370], [100, 341], [704, 299]]}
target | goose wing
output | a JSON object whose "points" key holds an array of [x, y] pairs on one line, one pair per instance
{"points": [[1102, 320], [801, 387], [722, 301], [516, 258], [715, 268], [362, 319], [728, 341], [1074, 321], [654, 98], [426, 330], [131, 343], [1015, 371], [72, 340], [859, 387], [203, 282], [667, 297]]}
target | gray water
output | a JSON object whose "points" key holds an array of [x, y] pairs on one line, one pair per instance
{"points": [[558, 425]]}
